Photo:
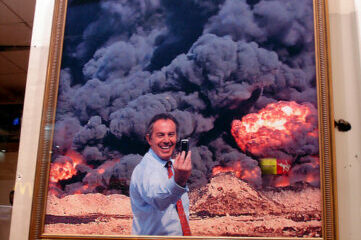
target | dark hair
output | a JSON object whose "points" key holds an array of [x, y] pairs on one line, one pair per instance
{"points": [[157, 117]]}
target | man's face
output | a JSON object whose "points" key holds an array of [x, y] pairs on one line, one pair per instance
{"points": [[163, 138]]}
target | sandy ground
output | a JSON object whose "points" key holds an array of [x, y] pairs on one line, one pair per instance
{"points": [[227, 206]]}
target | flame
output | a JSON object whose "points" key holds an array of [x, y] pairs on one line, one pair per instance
{"points": [[249, 174], [273, 126], [219, 169], [65, 170], [282, 181], [310, 178], [94, 178], [313, 177], [54, 190], [313, 134], [108, 164], [238, 171]]}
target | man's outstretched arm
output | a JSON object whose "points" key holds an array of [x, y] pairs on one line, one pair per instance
{"points": [[182, 168], [159, 193]]}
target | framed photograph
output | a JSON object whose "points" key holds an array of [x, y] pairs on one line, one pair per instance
{"points": [[249, 83]]}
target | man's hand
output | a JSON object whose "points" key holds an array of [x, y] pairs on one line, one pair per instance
{"points": [[182, 168]]}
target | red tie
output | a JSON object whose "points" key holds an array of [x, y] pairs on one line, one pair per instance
{"points": [[182, 217]]}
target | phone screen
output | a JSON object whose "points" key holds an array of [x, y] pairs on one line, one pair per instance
{"points": [[185, 145]]}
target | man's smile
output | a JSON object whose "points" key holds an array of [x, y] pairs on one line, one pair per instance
{"points": [[166, 147]]}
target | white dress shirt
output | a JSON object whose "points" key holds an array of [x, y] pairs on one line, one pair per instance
{"points": [[153, 198]]}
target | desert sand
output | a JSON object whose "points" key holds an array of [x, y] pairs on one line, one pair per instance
{"points": [[227, 206]]}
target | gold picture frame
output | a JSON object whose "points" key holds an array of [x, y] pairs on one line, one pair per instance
{"points": [[325, 126]]}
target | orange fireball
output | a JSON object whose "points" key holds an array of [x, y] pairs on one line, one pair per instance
{"points": [[274, 126], [66, 168]]}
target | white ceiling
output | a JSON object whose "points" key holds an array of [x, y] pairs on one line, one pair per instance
{"points": [[16, 21]]}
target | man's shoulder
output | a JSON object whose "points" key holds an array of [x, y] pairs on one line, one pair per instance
{"points": [[146, 165], [144, 172]]}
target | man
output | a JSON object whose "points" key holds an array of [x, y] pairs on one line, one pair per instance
{"points": [[158, 190]]}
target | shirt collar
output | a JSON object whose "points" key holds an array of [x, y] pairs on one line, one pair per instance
{"points": [[158, 159]]}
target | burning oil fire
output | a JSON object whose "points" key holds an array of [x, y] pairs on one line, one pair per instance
{"points": [[94, 178], [282, 181], [245, 174], [65, 169], [275, 125], [271, 135]]}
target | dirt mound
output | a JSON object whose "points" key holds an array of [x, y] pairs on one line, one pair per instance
{"points": [[85, 204], [228, 195]]}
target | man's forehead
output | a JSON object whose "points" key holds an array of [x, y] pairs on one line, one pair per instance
{"points": [[164, 125]]}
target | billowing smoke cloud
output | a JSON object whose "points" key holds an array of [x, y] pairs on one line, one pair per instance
{"points": [[235, 19], [64, 133], [205, 62], [116, 20]]}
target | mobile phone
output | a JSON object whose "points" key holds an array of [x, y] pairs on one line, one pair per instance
{"points": [[185, 145]]}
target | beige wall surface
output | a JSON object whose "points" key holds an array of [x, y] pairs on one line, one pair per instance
{"points": [[345, 53], [346, 74]]}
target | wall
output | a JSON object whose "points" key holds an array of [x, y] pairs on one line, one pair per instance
{"points": [[345, 43], [345, 51]]}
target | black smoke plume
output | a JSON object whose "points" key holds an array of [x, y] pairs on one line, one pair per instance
{"points": [[205, 62]]}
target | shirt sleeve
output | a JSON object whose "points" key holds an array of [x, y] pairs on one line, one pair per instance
{"points": [[158, 192]]}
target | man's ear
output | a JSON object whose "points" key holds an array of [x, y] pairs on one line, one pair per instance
{"points": [[147, 136]]}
